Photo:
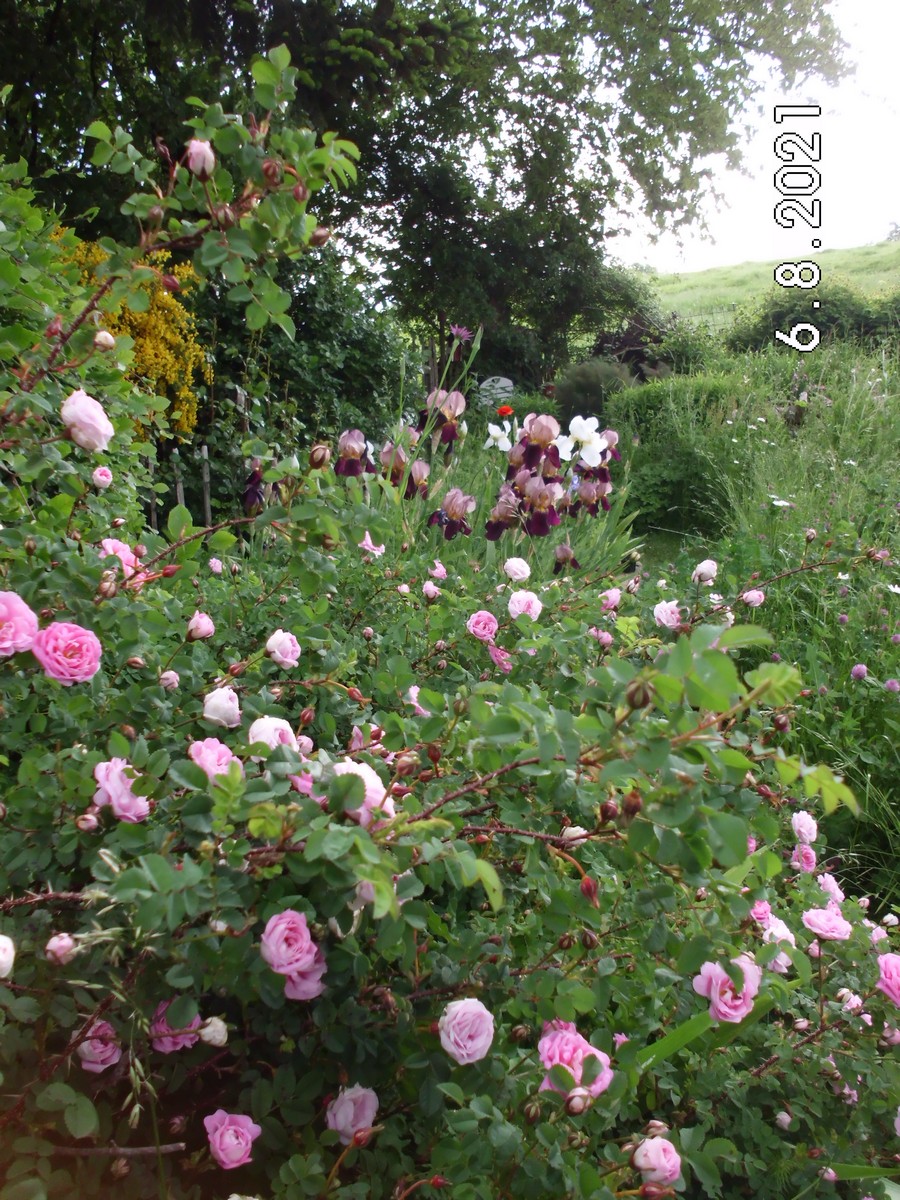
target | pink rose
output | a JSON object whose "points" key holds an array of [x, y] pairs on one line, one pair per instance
{"points": [[376, 796], [123, 552], [482, 625], [657, 1160], [200, 626], [307, 984], [667, 614], [603, 636], [524, 603], [466, 1030], [517, 569], [213, 756], [430, 590], [705, 572], [87, 424], [611, 599], [201, 159], [60, 949], [438, 571], [102, 478], [369, 546], [562, 1045], [777, 931], [753, 598], [804, 858], [283, 648], [889, 978], [286, 944], [215, 565], [412, 697], [18, 625], [805, 828], [403, 589], [827, 923], [100, 1049], [831, 887], [67, 652], [169, 680], [726, 1003], [231, 1137], [500, 658], [352, 1110], [115, 789], [221, 707], [761, 912], [164, 1038]]}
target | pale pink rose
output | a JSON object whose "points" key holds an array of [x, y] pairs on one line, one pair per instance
{"points": [[500, 658], [777, 931], [231, 1137], [123, 552], [283, 648], [438, 571], [753, 598], [828, 923], [667, 614], [725, 1002], [100, 1049], [830, 886], [564, 1046], [87, 424], [67, 652], [61, 949], [804, 858], [403, 589], [352, 1110], [200, 627], [307, 984], [104, 340], [164, 1038], [286, 944], [761, 912], [169, 680], [805, 828], [705, 572], [412, 697], [889, 977], [466, 1029], [603, 636], [274, 732], [201, 159], [619, 1039], [890, 1034], [102, 478], [213, 756], [368, 545], [482, 625], [783, 1120], [657, 1160], [897, 1122], [517, 569], [215, 565], [524, 604], [304, 784], [87, 821], [430, 590], [376, 796], [114, 789], [877, 935], [221, 707], [611, 598], [814, 950], [18, 625], [7, 955]]}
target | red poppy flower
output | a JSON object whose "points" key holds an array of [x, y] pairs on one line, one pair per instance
{"points": [[505, 410]]}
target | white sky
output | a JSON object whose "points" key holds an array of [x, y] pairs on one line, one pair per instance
{"points": [[860, 164]]}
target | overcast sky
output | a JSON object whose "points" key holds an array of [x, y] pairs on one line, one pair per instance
{"points": [[860, 164]]}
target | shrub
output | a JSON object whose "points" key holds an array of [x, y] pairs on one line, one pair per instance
{"points": [[844, 313], [586, 387]]}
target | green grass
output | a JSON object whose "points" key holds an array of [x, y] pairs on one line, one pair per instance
{"points": [[869, 269]]}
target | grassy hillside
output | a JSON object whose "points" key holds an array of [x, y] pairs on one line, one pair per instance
{"points": [[714, 293]]}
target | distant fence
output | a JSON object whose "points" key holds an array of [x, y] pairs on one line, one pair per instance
{"points": [[716, 319]]}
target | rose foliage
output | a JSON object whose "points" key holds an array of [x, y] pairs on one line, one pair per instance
{"points": [[350, 888]]}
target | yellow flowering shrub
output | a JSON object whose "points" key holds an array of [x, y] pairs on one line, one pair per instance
{"points": [[168, 358]]}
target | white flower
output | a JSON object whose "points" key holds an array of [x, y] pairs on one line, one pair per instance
{"points": [[7, 955], [782, 504], [222, 708], [574, 833], [892, 587], [705, 572], [584, 436], [214, 1032], [517, 569], [498, 437], [661, 584]]}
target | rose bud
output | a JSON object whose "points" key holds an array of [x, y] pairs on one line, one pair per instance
{"points": [[224, 216], [201, 160], [354, 693], [272, 172], [177, 1125], [117, 522], [104, 340], [135, 661], [653, 1190], [307, 716], [589, 890], [520, 1033], [589, 939], [532, 1111], [319, 456], [87, 822], [54, 329], [632, 804], [170, 283], [319, 236], [578, 1101], [301, 192], [639, 693], [656, 1128], [609, 810]]}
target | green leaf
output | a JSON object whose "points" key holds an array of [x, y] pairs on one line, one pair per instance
{"points": [[81, 1118], [55, 1096], [490, 881], [862, 1171], [179, 524], [739, 636], [780, 682], [280, 57], [99, 130], [680, 1037]]}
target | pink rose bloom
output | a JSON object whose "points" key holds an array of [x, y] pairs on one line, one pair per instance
{"points": [[619, 1039], [482, 625], [889, 978], [169, 680], [827, 923], [603, 636], [430, 590], [517, 569], [231, 1137], [667, 614], [751, 843], [305, 784], [777, 931], [804, 858], [525, 603], [500, 658], [307, 984], [286, 945], [115, 790], [376, 796], [368, 545], [102, 478], [164, 1038], [123, 552], [60, 949], [438, 571], [352, 1110], [274, 732], [830, 886], [725, 1003], [86, 423], [221, 707], [18, 625], [611, 598], [754, 598], [412, 697], [200, 626], [877, 935], [466, 1030], [705, 572], [566, 1047], [100, 1049], [657, 1160], [761, 911], [403, 589], [215, 565], [897, 1122], [283, 648], [67, 652], [213, 756], [805, 828], [201, 159]]}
